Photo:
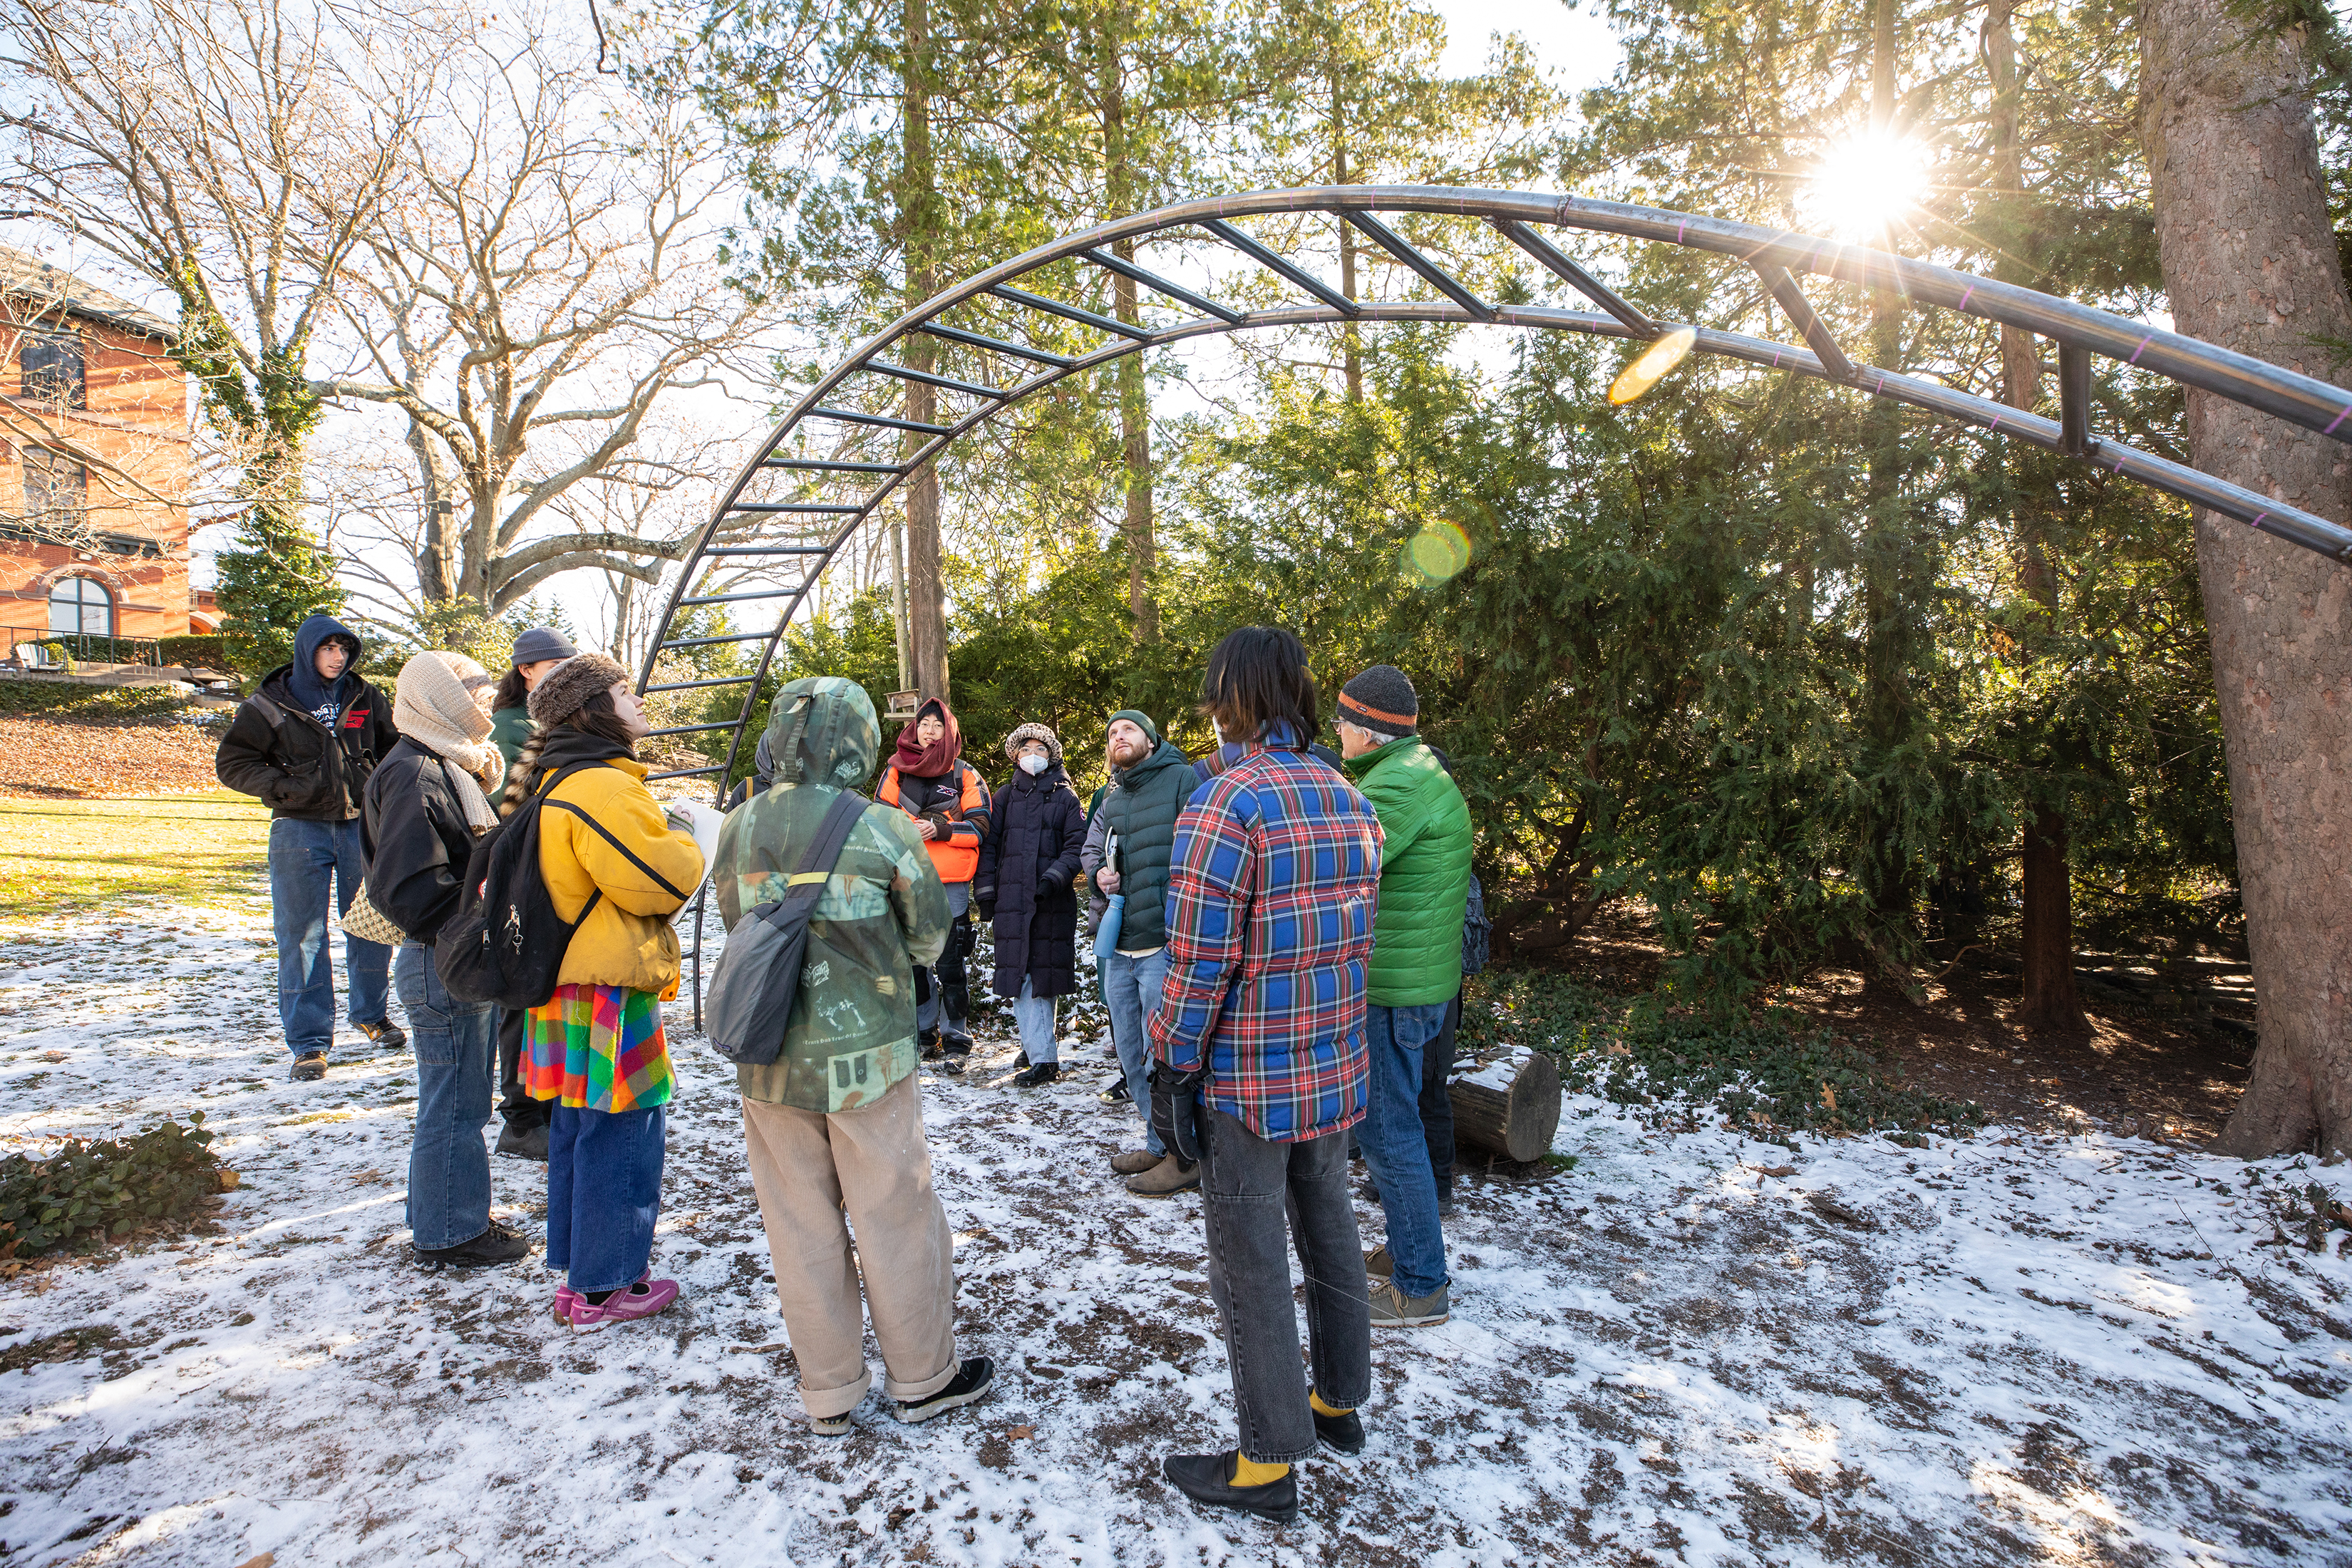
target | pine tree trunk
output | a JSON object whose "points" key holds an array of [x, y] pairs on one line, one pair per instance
{"points": [[919, 211], [2250, 263], [1134, 395], [2052, 1004]]}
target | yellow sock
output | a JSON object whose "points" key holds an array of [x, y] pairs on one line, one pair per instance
{"points": [[1316, 1400], [1248, 1472]]}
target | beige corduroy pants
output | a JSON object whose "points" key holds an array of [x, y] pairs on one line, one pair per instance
{"points": [[808, 1168]]}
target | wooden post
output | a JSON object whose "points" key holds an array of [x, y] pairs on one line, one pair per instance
{"points": [[1509, 1103]]}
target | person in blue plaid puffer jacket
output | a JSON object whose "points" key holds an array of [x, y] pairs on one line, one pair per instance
{"points": [[1261, 1066]]}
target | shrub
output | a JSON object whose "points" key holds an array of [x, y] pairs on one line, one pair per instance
{"points": [[196, 650], [88, 704], [88, 1192], [1762, 1073]]}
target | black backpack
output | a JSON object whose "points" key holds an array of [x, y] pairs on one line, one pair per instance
{"points": [[753, 994], [506, 942]]}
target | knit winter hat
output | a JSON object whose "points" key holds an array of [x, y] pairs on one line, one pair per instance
{"points": [[562, 689], [432, 695], [1140, 720], [541, 642], [1381, 699], [1026, 732]]}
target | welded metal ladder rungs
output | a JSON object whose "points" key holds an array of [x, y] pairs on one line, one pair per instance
{"points": [[798, 588], [695, 728], [996, 345], [1799, 311], [1281, 268], [780, 508], [773, 549], [831, 465], [1559, 263], [714, 642], [1078, 314], [698, 685], [688, 772], [1153, 280], [858, 416], [1436, 277], [932, 378]]}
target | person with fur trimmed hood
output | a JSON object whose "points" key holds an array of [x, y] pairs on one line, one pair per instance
{"points": [[595, 1050], [1026, 888]]}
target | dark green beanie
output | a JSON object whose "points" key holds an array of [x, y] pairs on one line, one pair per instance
{"points": [[1140, 720]]}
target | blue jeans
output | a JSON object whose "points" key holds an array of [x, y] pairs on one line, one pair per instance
{"points": [[1133, 988], [604, 1194], [457, 1047], [1033, 1016], [304, 857], [1395, 1150]]}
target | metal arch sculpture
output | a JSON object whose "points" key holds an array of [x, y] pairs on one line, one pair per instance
{"points": [[859, 485]]}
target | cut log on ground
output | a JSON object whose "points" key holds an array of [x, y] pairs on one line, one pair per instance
{"points": [[1508, 1103]]}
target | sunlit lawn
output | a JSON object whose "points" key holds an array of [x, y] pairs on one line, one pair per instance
{"points": [[59, 856]]}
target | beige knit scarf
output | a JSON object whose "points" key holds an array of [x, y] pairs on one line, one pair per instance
{"points": [[433, 706]]}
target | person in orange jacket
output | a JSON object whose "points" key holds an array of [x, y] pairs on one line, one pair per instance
{"points": [[928, 779]]}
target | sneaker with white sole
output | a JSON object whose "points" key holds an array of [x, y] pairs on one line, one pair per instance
{"points": [[969, 1383]]}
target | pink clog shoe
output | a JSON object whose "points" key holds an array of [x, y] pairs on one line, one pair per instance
{"points": [[642, 1300]]}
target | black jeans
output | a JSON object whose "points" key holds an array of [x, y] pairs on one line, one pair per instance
{"points": [[1254, 1195], [1436, 1109], [517, 1109]]}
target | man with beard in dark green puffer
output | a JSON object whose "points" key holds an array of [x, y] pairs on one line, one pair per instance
{"points": [[1154, 780]]}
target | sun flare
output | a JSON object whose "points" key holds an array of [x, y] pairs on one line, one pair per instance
{"points": [[1865, 186]]}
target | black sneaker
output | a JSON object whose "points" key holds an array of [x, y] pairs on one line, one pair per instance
{"points": [[1023, 1060], [971, 1381], [524, 1142], [310, 1065], [1342, 1434], [384, 1033], [1209, 1478], [495, 1245], [1043, 1073], [1116, 1093], [953, 1061]]}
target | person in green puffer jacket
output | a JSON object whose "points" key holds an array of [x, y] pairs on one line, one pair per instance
{"points": [[1415, 970], [833, 1127], [1155, 779]]}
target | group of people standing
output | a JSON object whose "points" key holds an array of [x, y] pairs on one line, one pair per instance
{"points": [[1279, 939]]}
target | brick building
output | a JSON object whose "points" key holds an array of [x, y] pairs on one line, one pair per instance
{"points": [[95, 420]]}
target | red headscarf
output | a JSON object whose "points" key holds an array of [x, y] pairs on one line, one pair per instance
{"points": [[914, 760]]}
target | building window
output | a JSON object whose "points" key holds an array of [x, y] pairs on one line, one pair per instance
{"points": [[50, 370], [56, 488], [81, 606]]}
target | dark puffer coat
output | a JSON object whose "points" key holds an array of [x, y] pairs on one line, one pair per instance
{"points": [[1144, 811], [1027, 866]]}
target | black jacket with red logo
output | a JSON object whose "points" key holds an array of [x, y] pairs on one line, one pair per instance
{"points": [[279, 753]]}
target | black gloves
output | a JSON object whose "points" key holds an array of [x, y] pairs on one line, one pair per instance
{"points": [[1050, 884], [1176, 1110], [984, 900]]}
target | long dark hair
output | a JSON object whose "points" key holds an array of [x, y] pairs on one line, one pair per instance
{"points": [[597, 717], [1256, 678], [513, 691]]}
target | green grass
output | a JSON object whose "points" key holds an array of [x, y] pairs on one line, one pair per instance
{"points": [[1767, 1073], [60, 857]]}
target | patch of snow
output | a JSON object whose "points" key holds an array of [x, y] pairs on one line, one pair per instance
{"points": [[2016, 1348]]}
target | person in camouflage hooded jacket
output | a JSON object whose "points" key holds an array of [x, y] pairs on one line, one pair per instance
{"points": [[833, 1128]]}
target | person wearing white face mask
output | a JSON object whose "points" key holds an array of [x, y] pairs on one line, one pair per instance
{"points": [[1027, 888]]}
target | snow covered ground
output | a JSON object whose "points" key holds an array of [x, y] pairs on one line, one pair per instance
{"points": [[2007, 1349]]}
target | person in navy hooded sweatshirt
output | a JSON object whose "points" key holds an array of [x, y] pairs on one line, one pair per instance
{"points": [[304, 743]]}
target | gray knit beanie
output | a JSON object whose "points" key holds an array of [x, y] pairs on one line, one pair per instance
{"points": [[1381, 699], [541, 642], [562, 689]]}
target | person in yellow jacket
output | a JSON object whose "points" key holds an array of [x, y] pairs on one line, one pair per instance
{"points": [[595, 1048]]}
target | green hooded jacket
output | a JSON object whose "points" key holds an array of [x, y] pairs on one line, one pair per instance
{"points": [[509, 729], [1425, 875], [883, 910]]}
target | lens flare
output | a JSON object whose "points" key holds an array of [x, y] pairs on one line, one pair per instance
{"points": [[1865, 187], [1437, 552], [1651, 366]]}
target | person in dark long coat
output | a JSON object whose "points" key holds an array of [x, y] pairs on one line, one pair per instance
{"points": [[1025, 888]]}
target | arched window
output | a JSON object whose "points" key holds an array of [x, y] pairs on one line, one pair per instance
{"points": [[81, 604]]}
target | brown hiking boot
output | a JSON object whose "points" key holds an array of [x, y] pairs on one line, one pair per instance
{"points": [[1377, 1267], [1134, 1162], [1165, 1179]]}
